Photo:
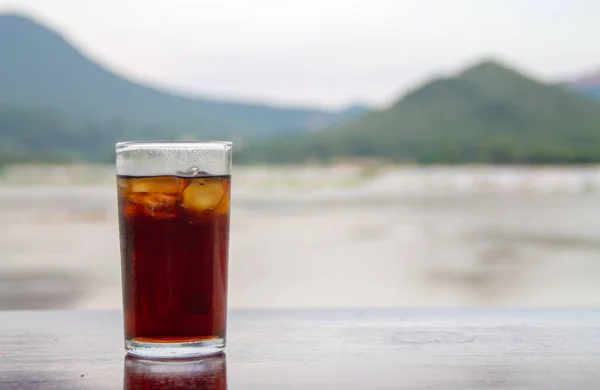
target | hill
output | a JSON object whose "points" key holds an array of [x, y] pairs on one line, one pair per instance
{"points": [[588, 85], [40, 68], [488, 114]]}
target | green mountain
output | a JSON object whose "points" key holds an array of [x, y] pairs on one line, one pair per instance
{"points": [[39, 68], [488, 113]]}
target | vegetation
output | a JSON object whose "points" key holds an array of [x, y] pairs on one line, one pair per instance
{"points": [[57, 105], [39, 68], [487, 114], [43, 135]]}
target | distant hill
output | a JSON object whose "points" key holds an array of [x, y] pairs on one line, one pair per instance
{"points": [[40, 68], [588, 85], [488, 113], [44, 135]]}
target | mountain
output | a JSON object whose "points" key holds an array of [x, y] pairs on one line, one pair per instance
{"points": [[588, 85], [489, 113], [40, 68], [44, 135]]}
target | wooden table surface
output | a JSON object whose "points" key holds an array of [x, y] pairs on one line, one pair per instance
{"points": [[343, 349]]}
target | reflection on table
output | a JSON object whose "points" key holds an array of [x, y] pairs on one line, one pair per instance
{"points": [[203, 374]]}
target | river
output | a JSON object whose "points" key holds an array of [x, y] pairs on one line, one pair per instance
{"points": [[327, 237]]}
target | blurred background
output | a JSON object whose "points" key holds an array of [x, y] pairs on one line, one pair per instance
{"points": [[388, 153]]}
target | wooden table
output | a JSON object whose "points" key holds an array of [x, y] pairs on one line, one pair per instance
{"points": [[342, 349]]}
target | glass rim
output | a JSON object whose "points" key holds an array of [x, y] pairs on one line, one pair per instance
{"points": [[171, 144]]}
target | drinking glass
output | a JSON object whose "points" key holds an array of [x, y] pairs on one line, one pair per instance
{"points": [[173, 199]]}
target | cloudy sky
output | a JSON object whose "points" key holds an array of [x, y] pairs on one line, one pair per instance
{"points": [[322, 52]]}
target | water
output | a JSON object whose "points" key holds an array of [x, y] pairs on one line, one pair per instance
{"points": [[316, 237]]}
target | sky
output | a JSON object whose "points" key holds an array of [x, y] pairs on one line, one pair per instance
{"points": [[326, 53]]}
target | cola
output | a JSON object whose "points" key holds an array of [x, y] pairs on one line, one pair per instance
{"points": [[174, 234]]}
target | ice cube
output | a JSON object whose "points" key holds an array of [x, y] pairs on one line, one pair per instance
{"points": [[156, 204], [203, 194], [193, 172], [223, 206], [123, 183], [158, 184]]}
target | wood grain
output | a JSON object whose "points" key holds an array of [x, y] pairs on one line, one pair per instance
{"points": [[303, 349]]}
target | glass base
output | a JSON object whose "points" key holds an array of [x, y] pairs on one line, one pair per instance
{"points": [[175, 350]]}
